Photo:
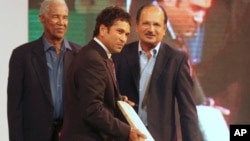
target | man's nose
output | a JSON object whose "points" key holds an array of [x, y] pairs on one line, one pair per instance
{"points": [[124, 38]]}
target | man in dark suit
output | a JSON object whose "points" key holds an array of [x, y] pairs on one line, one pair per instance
{"points": [[153, 75], [91, 89], [36, 75]]}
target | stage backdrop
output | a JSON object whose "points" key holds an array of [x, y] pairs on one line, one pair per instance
{"points": [[220, 55], [218, 49]]}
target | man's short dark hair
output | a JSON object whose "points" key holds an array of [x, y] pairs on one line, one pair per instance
{"points": [[149, 5], [110, 15]]}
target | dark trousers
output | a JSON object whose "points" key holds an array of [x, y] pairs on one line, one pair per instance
{"points": [[57, 126]]}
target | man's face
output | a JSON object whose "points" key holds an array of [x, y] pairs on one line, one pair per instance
{"points": [[115, 37], [186, 16], [151, 27], [55, 23]]}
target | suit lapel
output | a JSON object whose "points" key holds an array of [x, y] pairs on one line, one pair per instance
{"points": [[110, 69], [161, 61], [40, 66], [134, 65], [68, 58]]}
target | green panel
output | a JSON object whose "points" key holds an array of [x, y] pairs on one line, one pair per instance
{"points": [[35, 27], [76, 30], [81, 27]]}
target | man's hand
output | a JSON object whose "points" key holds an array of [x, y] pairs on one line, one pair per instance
{"points": [[125, 98], [136, 135]]}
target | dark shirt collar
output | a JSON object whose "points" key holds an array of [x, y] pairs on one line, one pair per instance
{"points": [[48, 45], [154, 51]]}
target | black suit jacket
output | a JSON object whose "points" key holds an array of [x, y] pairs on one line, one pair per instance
{"points": [[170, 79], [30, 107], [90, 99]]}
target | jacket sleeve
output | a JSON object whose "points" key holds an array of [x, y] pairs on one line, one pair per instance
{"points": [[186, 102], [14, 97]]}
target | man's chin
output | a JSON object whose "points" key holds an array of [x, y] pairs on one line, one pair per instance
{"points": [[117, 50], [59, 37], [149, 42]]}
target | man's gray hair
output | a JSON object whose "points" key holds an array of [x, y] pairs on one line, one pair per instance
{"points": [[44, 9]]}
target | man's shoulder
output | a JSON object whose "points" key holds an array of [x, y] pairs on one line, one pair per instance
{"points": [[28, 45], [172, 49], [75, 45], [91, 50], [131, 44], [130, 47]]}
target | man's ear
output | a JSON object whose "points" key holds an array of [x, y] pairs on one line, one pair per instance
{"points": [[165, 30], [136, 26], [42, 19], [103, 29]]}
